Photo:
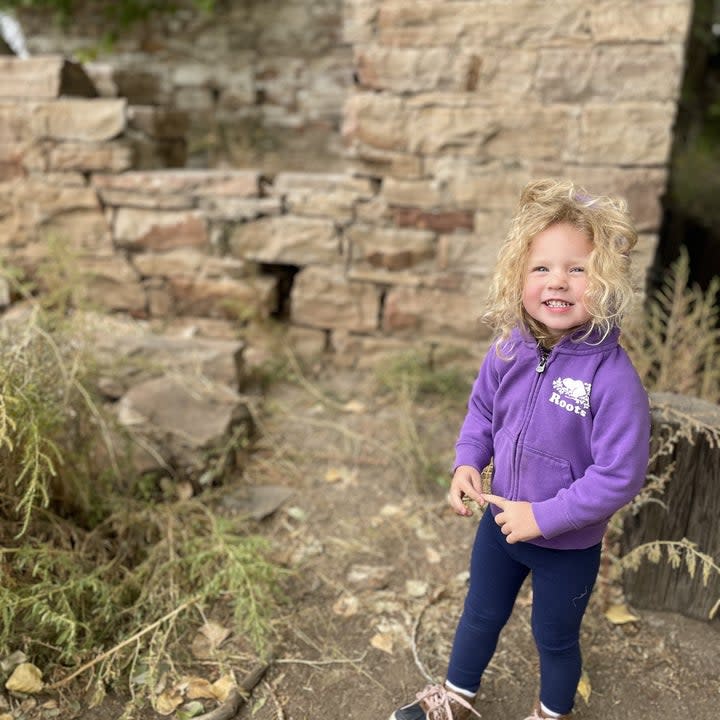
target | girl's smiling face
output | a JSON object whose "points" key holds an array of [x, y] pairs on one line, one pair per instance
{"points": [[556, 279]]}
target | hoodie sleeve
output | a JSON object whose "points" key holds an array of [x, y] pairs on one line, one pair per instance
{"points": [[620, 444], [474, 445]]}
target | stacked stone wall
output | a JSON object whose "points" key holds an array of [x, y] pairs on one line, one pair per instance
{"points": [[458, 104], [461, 102], [262, 81]]}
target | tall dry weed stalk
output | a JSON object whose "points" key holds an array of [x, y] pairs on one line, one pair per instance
{"points": [[674, 343], [674, 346]]}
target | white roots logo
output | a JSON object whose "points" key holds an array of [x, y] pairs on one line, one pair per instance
{"points": [[571, 395]]}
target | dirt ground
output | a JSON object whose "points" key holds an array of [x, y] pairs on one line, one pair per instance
{"points": [[378, 575]]}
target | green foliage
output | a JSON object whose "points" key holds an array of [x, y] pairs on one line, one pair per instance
{"points": [[121, 13], [116, 17], [695, 181], [64, 600], [85, 561], [47, 425], [674, 345], [424, 394], [411, 374]]}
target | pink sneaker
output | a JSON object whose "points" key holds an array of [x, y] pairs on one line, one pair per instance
{"points": [[436, 702]]}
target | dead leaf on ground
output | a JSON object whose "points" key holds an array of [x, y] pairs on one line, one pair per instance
{"points": [[416, 588], [346, 606], [208, 639], [383, 641], [369, 577], [620, 614], [354, 406], [223, 686], [585, 688], [200, 688], [339, 474], [432, 556], [296, 513], [168, 701], [184, 490], [26, 678]]}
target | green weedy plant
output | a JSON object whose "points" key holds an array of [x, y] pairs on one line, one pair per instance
{"points": [[92, 577], [412, 374], [115, 16], [412, 380], [121, 13]]}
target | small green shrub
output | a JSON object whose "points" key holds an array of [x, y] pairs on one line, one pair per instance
{"points": [[86, 562], [423, 394], [414, 375]]}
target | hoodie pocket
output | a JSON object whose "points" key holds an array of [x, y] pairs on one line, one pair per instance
{"points": [[502, 463], [541, 475]]}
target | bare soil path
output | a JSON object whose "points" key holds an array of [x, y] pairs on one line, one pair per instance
{"points": [[379, 572]]}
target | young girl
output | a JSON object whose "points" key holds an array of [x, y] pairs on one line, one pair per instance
{"points": [[559, 409]]}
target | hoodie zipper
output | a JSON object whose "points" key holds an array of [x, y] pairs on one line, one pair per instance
{"points": [[532, 398], [544, 354]]}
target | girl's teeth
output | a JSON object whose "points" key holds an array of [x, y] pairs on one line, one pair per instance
{"points": [[557, 303]]}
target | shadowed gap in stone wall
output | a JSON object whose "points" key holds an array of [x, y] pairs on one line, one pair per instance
{"points": [[691, 213]]}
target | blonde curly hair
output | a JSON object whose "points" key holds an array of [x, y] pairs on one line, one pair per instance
{"points": [[606, 222]]}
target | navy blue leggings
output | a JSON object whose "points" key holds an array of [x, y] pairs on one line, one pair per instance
{"points": [[562, 581]]}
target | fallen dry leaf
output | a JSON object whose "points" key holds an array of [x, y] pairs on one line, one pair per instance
{"points": [[383, 641], [370, 577], [354, 406], [584, 688], [391, 511], [215, 633], [341, 474], [26, 678], [416, 588], [184, 490], [333, 475], [168, 701], [432, 556], [199, 688], [346, 606], [223, 686], [208, 639], [620, 614]]}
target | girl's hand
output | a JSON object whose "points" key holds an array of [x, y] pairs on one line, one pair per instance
{"points": [[516, 519], [466, 483]]}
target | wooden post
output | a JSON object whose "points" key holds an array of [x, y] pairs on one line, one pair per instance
{"points": [[682, 516]]}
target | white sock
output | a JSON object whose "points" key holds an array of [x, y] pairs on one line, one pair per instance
{"points": [[460, 691], [548, 713]]}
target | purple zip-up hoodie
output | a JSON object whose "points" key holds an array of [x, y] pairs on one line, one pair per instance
{"points": [[568, 431]]}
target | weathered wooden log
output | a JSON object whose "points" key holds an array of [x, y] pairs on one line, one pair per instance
{"points": [[671, 541]]}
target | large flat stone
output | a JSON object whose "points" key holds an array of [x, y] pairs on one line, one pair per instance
{"points": [[43, 78]]}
